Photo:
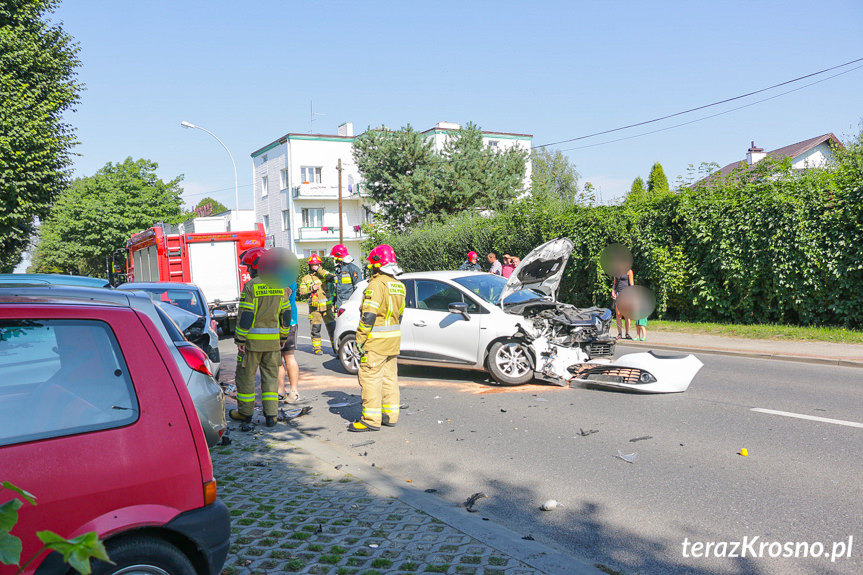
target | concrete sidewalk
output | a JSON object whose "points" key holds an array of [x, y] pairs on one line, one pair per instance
{"points": [[847, 355]]}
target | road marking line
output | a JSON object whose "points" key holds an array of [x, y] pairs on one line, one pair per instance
{"points": [[810, 417]]}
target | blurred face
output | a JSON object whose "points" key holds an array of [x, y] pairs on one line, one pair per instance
{"points": [[473, 259], [491, 258], [314, 267]]}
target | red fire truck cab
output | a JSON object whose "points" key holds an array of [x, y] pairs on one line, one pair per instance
{"points": [[208, 259]]}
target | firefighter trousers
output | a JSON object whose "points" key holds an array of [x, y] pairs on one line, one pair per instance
{"points": [[380, 389], [268, 361], [316, 318]]}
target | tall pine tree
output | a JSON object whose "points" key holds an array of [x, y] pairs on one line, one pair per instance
{"points": [[657, 183]]}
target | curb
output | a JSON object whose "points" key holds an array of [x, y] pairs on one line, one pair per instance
{"points": [[753, 354], [533, 553]]}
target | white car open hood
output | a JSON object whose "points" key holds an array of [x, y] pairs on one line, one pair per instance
{"points": [[541, 269]]}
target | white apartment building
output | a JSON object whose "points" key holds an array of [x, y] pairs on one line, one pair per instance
{"points": [[297, 193]]}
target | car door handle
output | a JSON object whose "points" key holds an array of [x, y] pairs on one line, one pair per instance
{"points": [[420, 323]]}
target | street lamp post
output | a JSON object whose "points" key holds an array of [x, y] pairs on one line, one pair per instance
{"points": [[186, 124]]}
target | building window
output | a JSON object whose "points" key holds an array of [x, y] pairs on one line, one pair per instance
{"points": [[313, 217], [320, 253], [310, 174], [283, 179], [263, 158], [267, 225], [286, 220], [264, 185], [493, 143]]}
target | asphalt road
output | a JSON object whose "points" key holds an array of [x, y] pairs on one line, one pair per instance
{"points": [[800, 484]]}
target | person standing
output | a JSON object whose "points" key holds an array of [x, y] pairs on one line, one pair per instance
{"points": [[262, 329], [621, 282], [347, 273], [379, 341], [508, 266], [471, 265], [496, 267], [320, 304], [289, 366]]}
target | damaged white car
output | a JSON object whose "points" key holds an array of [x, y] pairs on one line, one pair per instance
{"points": [[515, 329]]}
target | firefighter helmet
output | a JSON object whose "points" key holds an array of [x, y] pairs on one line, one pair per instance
{"points": [[471, 255], [339, 251], [251, 258], [315, 260], [381, 256]]}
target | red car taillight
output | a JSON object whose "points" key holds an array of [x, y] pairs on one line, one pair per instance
{"points": [[340, 312], [213, 325], [195, 358]]}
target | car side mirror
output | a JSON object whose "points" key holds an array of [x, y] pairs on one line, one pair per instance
{"points": [[219, 315], [460, 308]]}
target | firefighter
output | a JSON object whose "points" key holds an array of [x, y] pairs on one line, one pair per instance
{"points": [[379, 341], [347, 273], [471, 265], [262, 329], [321, 310]]}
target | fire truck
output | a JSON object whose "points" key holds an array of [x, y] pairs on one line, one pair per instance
{"points": [[208, 256]]}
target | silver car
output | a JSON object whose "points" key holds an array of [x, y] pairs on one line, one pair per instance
{"points": [[515, 329], [193, 363], [186, 305]]}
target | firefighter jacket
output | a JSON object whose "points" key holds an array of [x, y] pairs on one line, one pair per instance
{"points": [[348, 275], [319, 300], [265, 317], [469, 267], [382, 309]]}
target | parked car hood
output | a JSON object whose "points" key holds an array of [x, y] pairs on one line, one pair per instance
{"points": [[540, 270]]}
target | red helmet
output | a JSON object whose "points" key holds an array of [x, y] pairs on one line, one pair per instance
{"points": [[471, 255], [250, 258], [339, 251], [381, 256], [314, 259]]}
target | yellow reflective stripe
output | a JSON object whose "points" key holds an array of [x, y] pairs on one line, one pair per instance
{"points": [[284, 331], [262, 336], [246, 305], [390, 408], [245, 397], [269, 395], [372, 410], [264, 330], [384, 335], [379, 328], [371, 303]]}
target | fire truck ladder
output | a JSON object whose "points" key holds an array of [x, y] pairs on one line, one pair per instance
{"points": [[174, 251]]}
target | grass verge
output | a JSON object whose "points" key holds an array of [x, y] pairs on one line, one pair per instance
{"points": [[759, 331]]}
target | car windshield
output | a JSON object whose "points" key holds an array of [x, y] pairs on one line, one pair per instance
{"points": [[490, 286], [185, 299]]}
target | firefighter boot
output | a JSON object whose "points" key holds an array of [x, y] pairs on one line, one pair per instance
{"points": [[316, 345], [270, 421], [245, 420]]}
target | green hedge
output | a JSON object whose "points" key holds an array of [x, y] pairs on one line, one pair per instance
{"points": [[755, 247]]}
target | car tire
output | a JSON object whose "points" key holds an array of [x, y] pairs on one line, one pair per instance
{"points": [[509, 362], [348, 354], [144, 556]]}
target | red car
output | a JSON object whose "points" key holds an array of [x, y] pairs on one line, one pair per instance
{"points": [[98, 424]]}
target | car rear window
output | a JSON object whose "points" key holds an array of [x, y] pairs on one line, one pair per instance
{"points": [[61, 377], [185, 299]]}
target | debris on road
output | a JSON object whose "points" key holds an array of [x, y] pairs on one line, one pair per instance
{"points": [[225, 440], [744, 452], [431, 490], [550, 504], [584, 433], [342, 404], [339, 466], [364, 443], [289, 414], [503, 411], [471, 501], [528, 538], [630, 458], [640, 438], [230, 389]]}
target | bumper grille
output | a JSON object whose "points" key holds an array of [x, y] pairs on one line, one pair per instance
{"points": [[600, 349], [614, 375]]}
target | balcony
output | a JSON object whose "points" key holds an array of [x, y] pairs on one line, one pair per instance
{"points": [[322, 192], [330, 234]]}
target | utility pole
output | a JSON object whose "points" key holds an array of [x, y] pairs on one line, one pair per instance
{"points": [[341, 227]]}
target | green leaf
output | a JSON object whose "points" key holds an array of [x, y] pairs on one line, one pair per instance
{"points": [[10, 549], [9, 514], [25, 494], [77, 551]]}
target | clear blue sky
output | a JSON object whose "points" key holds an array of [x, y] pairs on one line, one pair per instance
{"points": [[248, 70]]}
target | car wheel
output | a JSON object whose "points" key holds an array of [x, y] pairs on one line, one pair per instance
{"points": [[509, 362], [349, 355], [144, 556]]}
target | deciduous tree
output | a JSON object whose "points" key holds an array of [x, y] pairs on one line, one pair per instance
{"points": [[38, 62], [97, 214], [552, 174]]}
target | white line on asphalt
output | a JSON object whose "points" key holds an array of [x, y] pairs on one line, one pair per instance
{"points": [[810, 417]]}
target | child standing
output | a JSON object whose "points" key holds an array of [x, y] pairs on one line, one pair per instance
{"points": [[641, 329]]}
